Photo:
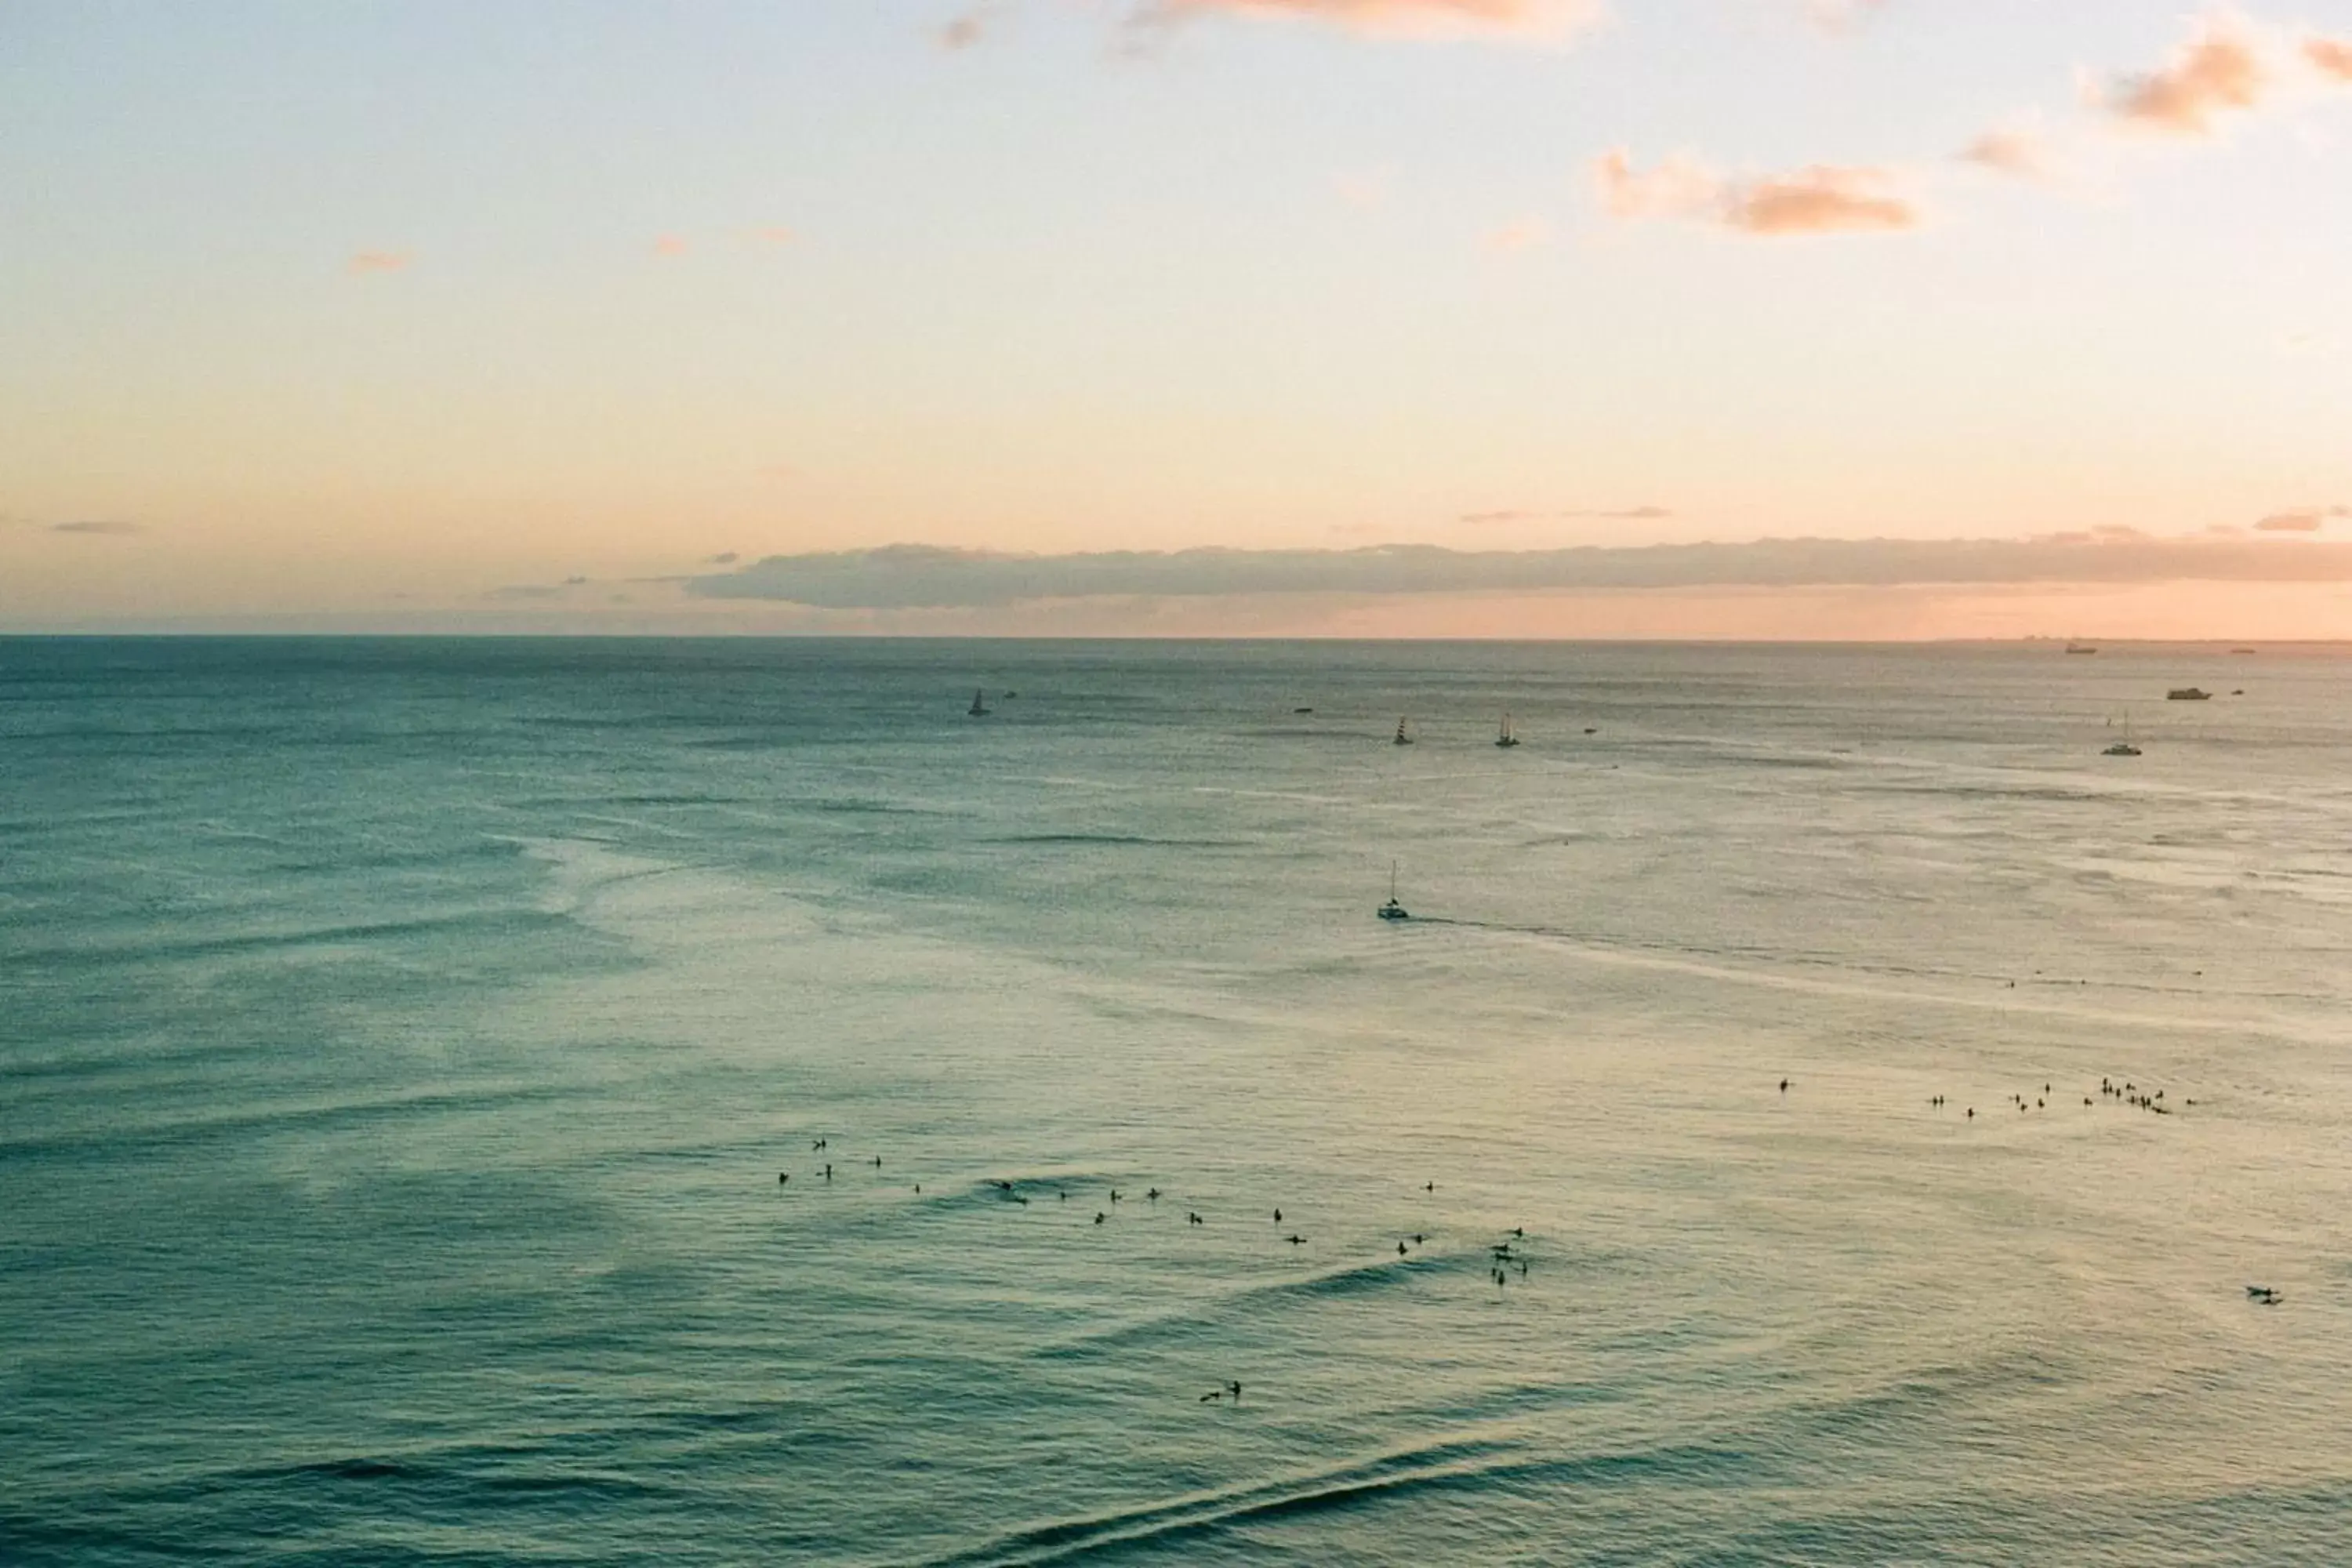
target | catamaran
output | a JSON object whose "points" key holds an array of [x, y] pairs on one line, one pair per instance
{"points": [[1507, 739], [1392, 911]]}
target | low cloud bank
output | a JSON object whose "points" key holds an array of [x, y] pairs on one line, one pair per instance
{"points": [[915, 577]]}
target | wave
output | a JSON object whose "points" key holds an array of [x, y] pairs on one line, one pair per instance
{"points": [[235, 943], [242, 1125], [1140, 841], [1492, 1463]]}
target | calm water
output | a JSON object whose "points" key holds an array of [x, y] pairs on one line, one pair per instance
{"points": [[400, 1043]]}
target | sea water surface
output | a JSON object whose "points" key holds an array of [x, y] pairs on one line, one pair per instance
{"points": [[401, 1042]]}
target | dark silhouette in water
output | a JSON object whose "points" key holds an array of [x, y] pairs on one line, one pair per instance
{"points": [[1429, 1186], [1296, 1240], [783, 1176], [1193, 1218], [1399, 1249], [1784, 1086], [1277, 1216], [1153, 1194], [1100, 1216], [828, 1172], [819, 1143]]}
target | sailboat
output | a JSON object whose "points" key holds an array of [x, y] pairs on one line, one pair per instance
{"points": [[979, 708], [1507, 739], [1392, 911], [2123, 748], [1402, 738]]}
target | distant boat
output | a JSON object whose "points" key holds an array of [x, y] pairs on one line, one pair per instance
{"points": [[2080, 648], [1402, 738], [1392, 911], [2188, 694], [1507, 739], [979, 708], [2123, 748], [2245, 650]]}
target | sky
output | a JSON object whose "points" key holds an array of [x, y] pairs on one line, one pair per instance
{"points": [[1186, 317]]}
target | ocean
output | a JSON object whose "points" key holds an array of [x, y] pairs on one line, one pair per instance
{"points": [[401, 1043]]}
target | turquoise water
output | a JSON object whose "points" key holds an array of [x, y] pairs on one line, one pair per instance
{"points": [[400, 1043]]}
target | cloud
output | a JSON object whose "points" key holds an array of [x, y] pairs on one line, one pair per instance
{"points": [[364, 262], [1627, 514], [1521, 234], [773, 233], [1842, 15], [2331, 56], [963, 31], [914, 576], [671, 245], [2021, 155], [724, 558], [1541, 20], [2305, 519], [2218, 71], [1823, 199], [108, 527], [1364, 192]]}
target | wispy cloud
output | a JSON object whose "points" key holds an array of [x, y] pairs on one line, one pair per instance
{"points": [[773, 233], [108, 527], [1521, 234], [967, 28], [671, 245], [1365, 191], [365, 262], [1842, 15], [1627, 514], [1823, 199], [2330, 56], [2220, 71], [1541, 20], [2302, 519], [2018, 152], [910, 576]]}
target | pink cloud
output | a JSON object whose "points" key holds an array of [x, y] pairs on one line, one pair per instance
{"points": [[368, 261], [1424, 18], [2332, 55], [671, 245], [2307, 520], [2215, 73], [1838, 15], [2019, 154], [1821, 199], [1524, 234], [773, 233], [963, 31]]}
